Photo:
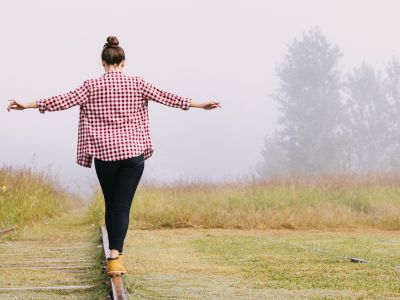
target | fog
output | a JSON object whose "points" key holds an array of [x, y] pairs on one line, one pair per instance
{"points": [[227, 51]]}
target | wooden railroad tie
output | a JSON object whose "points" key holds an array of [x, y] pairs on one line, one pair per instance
{"points": [[4, 231]]}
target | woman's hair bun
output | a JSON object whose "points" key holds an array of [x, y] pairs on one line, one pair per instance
{"points": [[112, 41], [112, 53]]}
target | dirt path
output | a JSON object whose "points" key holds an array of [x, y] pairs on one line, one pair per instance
{"points": [[58, 258]]}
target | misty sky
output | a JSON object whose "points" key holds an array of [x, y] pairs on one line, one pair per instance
{"points": [[207, 50]]}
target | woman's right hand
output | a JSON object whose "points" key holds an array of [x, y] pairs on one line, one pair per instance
{"points": [[15, 105]]}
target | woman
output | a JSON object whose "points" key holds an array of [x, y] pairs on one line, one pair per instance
{"points": [[114, 131]]}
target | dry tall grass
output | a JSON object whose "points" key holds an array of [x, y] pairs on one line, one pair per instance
{"points": [[334, 201], [27, 196]]}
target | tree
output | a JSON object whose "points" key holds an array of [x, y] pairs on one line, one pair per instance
{"points": [[274, 163], [392, 90], [310, 103], [368, 122]]}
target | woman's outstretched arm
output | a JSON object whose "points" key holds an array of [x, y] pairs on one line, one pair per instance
{"points": [[20, 106], [55, 103], [205, 105], [151, 92]]}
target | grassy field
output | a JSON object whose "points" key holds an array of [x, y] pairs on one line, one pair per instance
{"points": [[28, 196], [280, 239], [261, 264], [296, 203]]}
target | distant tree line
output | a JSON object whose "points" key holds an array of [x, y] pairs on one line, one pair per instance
{"points": [[331, 121]]}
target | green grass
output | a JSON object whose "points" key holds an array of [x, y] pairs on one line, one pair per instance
{"points": [[277, 239], [295, 203], [261, 264], [28, 196], [295, 262]]}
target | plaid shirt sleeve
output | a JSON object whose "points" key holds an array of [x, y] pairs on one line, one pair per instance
{"points": [[61, 102], [150, 92]]}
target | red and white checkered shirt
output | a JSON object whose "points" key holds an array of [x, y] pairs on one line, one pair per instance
{"points": [[113, 115]]}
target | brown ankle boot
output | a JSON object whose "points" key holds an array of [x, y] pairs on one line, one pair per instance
{"points": [[114, 267]]}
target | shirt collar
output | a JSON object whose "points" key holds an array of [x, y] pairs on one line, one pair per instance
{"points": [[112, 72]]}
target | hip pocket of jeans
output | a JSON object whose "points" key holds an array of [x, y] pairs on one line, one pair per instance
{"points": [[137, 159]]}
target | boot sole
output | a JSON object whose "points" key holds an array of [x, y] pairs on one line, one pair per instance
{"points": [[112, 273]]}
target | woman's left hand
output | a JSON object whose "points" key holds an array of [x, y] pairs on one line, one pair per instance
{"points": [[15, 105], [210, 105]]}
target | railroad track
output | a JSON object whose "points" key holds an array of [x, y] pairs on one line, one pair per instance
{"points": [[51, 260], [117, 291], [47, 263]]}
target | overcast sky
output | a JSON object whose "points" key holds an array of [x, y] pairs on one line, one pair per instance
{"points": [[207, 50]]}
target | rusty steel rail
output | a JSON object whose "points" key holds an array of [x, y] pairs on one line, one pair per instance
{"points": [[117, 288], [4, 231]]}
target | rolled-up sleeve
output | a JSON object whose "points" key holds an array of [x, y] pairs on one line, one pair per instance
{"points": [[150, 92], [64, 101]]}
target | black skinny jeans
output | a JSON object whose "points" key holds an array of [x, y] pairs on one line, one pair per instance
{"points": [[119, 180]]}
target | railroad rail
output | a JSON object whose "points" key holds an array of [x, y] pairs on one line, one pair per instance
{"points": [[117, 291]]}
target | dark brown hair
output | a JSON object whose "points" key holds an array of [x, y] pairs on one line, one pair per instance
{"points": [[112, 53]]}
